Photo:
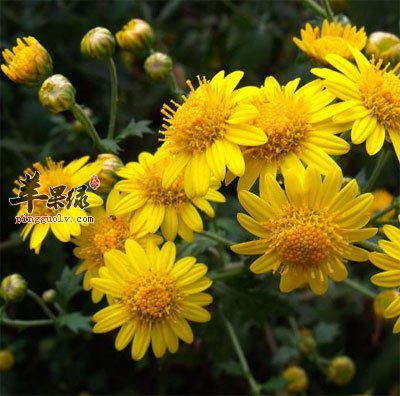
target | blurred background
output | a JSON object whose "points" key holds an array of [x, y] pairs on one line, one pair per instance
{"points": [[202, 37]]}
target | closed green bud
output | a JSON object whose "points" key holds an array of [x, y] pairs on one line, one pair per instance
{"points": [[48, 296], [297, 379], [13, 288], [158, 66], [341, 370], [57, 94], [98, 43], [110, 164], [137, 36], [7, 360], [383, 45]]}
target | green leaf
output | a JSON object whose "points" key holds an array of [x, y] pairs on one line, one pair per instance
{"points": [[199, 245], [283, 355], [325, 332], [274, 384], [75, 321], [134, 128], [111, 145], [67, 286]]}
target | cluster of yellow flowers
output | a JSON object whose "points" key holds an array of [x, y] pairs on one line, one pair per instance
{"points": [[305, 216]]}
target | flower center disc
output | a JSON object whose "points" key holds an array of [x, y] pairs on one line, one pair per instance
{"points": [[285, 122], [111, 233], [380, 92]]}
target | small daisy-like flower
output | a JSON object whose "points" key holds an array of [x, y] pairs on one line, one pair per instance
{"points": [[371, 99], [204, 133], [28, 63], [167, 207], [152, 298], [306, 230], [389, 262], [54, 174], [107, 231], [298, 130], [333, 38]]}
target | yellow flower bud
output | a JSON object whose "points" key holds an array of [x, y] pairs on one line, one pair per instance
{"points": [[137, 35], [110, 164], [13, 288], [341, 370], [48, 296], [383, 45], [28, 63], [158, 66], [98, 43], [383, 300], [7, 360], [382, 198], [57, 94], [297, 379], [306, 342]]}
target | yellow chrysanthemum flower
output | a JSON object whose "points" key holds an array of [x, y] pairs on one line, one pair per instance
{"points": [[371, 99], [152, 297], [28, 63], [108, 231], [54, 174], [167, 207], [307, 230], [389, 262], [333, 38], [298, 130], [204, 133]]}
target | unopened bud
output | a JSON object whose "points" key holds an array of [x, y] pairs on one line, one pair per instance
{"points": [[28, 63], [7, 360], [13, 288], [383, 300], [383, 45], [158, 66], [341, 370], [297, 379], [98, 43], [306, 342], [49, 296], [57, 94], [110, 164], [137, 35]]}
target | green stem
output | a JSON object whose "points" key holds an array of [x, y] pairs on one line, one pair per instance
{"points": [[372, 247], [227, 275], [255, 388], [23, 324], [360, 288], [382, 223], [382, 161], [316, 8], [294, 326], [173, 86], [385, 210], [41, 304], [114, 98], [88, 126], [218, 238], [329, 12]]}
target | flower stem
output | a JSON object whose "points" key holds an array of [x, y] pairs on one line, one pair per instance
{"points": [[316, 8], [329, 12], [372, 247], [22, 324], [41, 304], [360, 288], [88, 125], [114, 98], [380, 213], [254, 386], [227, 274], [380, 165], [173, 86], [218, 238]]}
